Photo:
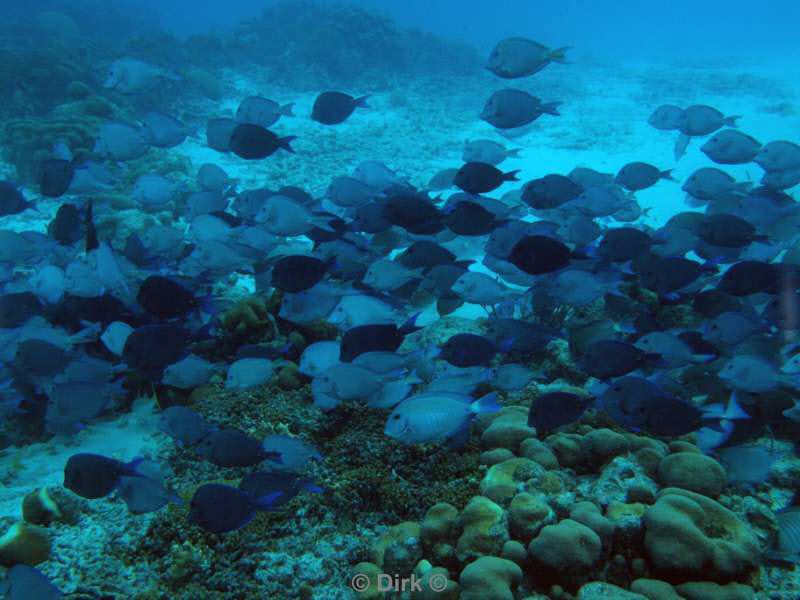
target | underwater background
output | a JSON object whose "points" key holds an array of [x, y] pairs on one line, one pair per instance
{"points": [[415, 300]]}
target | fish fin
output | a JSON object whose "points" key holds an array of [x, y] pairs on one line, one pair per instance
{"points": [[460, 438], [558, 55], [551, 108], [285, 141], [486, 404], [681, 143], [265, 502], [409, 326]]}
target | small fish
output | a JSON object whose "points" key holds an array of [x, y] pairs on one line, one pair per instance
{"points": [[233, 448], [509, 109], [264, 484], [27, 583], [294, 453], [262, 111], [516, 57], [95, 476], [480, 178], [552, 410], [132, 76], [332, 108], [253, 141], [183, 425], [220, 508], [637, 176], [731, 147], [247, 373], [426, 418]]}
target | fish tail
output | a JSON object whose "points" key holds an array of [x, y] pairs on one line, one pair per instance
{"points": [[286, 110], [559, 55], [285, 141], [362, 101], [511, 175], [486, 404], [731, 121], [513, 153], [551, 108], [666, 175]]}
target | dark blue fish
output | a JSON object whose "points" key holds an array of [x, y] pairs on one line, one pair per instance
{"points": [[12, 201], [640, 404], [556, 409], [253, 141], [27, 583], [234, 448], [55, 176], [369, 338], [95, 476], [184, 425], [332, 108], [265, 484], [220, 508], [470, 350]]}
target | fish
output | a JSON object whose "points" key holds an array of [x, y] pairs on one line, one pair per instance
{"points": [[247, 373], [487, 151], [516, 57], [609, 358], [707, 183], [666, 117], [636, 176], [550, 191], [219, 132], [221, 508], [26, 583], [294, 453], [184, 425], [95, 476], [233, 448], [434, 417], [132, 76], [539, 254], [374, 337], [55, 177], [778, 156], [553, 410], [731, 147], [699, 119], [786, 546], [12, 202], [332, 108], [190, 372], [163, 131], [252, 142], [265, 483], [469, 350], [261, 111], [480, 178], [510, 108], [298, 273], [121, 142], [166, 298]]}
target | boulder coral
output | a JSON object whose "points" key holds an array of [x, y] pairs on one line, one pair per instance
{"points": [[690, 536]]}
